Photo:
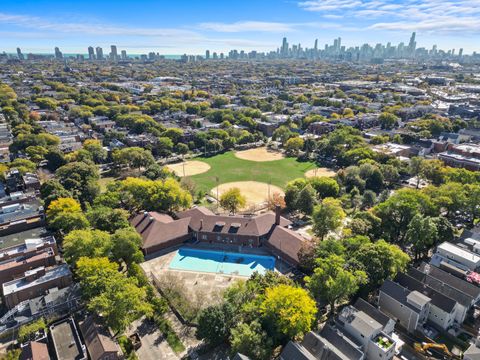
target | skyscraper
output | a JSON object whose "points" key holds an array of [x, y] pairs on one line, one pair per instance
{"points": [[124, 54], [20, 55], [113, 52], [412, 45], [284, 49], [91, 53], [99, 52], [207, 54], [58, 53]]}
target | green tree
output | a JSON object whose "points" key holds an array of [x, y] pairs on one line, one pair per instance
{"points": [[108, 292], [232, 200], [332, 282], [388, 120], [306, 200], [325, 186], [294, 145], [86, 243], [381, 261], [327, 216], [214, 323], [121, 303], [251, 340], [126, 246], [81, 179], [421, 234], [107, 219], [96, 150], [133, 157], [399, 209], [289, 311]]}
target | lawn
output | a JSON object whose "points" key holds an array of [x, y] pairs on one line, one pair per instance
{"points": [[228, 168]]}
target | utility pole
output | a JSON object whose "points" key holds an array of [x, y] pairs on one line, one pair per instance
{"points": [[218, 199]]}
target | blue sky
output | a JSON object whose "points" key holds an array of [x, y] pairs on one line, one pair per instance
{"points": [[191, 26]]}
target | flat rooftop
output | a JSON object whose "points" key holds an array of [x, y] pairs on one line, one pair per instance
{"points": [[458, 251], [66, 341], [20, 237], [22, 284]]}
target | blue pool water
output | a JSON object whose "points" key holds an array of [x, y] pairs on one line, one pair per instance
{"points": [[221, 262]]}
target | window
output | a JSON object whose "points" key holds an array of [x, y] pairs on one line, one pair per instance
{"points": [[204, 237]]}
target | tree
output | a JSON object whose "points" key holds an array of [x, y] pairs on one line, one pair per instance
{"points": [[368, 199], [332, 282], [388, 120], [251, 340], [94, 274], [276, 200], [137, 194], [181, 148], [416, 168], [63, 205], [294, 145], [214, 323], [164, 146], [289, 311], [108, 219], [399, 209], [96, 150], [55, 159], [110, 293], [292, 190], [306, 200], [325, 186], [381, 261], [66, 222], [52, 190], [81, 179], [327, 216], [86, 243], [36, 153], [421, 234], [133, 157], [126, 246], [232, 200], [121, 303]]}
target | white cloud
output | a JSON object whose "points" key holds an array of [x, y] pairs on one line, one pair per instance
{"points": [[443, 16], [247, 26]]}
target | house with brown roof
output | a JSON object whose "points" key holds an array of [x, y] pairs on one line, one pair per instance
{"points": [[270, 230], [100, 345], [35, 350]]}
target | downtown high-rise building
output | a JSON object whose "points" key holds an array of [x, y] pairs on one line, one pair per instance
{"points": [[113, 52], [58, 54], [91, 53], [99, 52], [207, 54], [19, 54], [124, 54]]}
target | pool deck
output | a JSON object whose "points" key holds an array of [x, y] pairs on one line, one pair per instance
{"points": [[207, 283]]}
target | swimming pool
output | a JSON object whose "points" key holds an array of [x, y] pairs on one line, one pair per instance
{"points": [[221, 262]]}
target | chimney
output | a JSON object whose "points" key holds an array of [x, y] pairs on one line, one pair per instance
{"points": [[201, 224], [277, 214]]}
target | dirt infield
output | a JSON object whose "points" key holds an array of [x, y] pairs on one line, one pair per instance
{"points": [[320, 172], [259, 154], [255, 192], [192, 167]]}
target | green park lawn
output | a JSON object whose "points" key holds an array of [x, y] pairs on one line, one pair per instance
{"points": [[228, 168]]}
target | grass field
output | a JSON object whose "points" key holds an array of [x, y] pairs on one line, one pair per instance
{"points": [[228, 168]]}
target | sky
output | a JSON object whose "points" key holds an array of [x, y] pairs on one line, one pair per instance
{"points": [[192, 26]]}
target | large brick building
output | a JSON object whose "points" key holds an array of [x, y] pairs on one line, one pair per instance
{"points": [[270, 230]]}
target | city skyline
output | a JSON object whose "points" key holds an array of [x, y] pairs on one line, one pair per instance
{"points": [[335, 51], [192, 27]]}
